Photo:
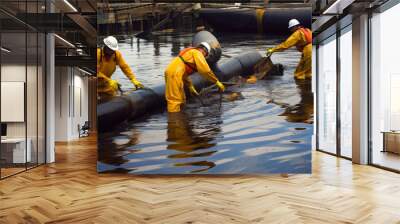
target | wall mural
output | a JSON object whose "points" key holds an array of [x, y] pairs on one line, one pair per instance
{"points": [[190, 89]]}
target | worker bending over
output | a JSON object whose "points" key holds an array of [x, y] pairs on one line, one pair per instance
{"points": [[107, 60], [301, 38], [177, 74]]}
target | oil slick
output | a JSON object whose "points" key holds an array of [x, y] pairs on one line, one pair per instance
{"points": [[263, 127]]}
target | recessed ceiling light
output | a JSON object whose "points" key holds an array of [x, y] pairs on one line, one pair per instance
{"points": [[5, 50], [338, 6], [84, 71], [70, 5], [65, 41]]}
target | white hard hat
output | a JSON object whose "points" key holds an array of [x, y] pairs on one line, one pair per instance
{"points": [[111, 42], [205, 45], [293, 22]]}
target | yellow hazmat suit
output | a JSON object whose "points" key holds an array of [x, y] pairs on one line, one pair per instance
{"points": [[304, 45], [105, 69], [177, 75]]}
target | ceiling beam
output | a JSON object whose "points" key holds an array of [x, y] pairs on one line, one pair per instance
{"points": [[90, 31], [78, 61], [74, 13]]}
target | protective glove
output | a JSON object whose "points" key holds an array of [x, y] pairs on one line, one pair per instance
{"points": [[269, 52], [193, 90], [137, 84], [113, 84], [220, 86]]}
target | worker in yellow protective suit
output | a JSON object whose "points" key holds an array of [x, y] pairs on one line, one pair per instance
{"points": [[107, 60], [301, 38], [177, 74]]}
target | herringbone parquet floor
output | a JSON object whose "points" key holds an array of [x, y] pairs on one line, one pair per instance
{"points": [[70, 191]]}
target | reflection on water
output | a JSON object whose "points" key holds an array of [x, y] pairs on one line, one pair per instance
{"points": [[257, 128], [303, 111], [184, 139]]}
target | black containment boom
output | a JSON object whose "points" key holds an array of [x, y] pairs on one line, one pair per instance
{"points": [[144, 101], [271, 21]]}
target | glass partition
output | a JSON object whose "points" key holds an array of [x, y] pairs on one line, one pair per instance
{"points": [[346, 92], [41, 97], [15, 149], [385, 89], [22, 88], [31, 97], [327, 95]]}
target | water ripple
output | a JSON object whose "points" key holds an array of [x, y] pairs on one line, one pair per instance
{"points": [[268, 130]]}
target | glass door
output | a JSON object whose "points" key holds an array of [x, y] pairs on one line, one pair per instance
{"points": [[22, 68], [346, 94], [14, 142], [385, 89], [326, 78]]}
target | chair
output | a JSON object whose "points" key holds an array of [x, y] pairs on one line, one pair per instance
{"points": [[84, 130]]}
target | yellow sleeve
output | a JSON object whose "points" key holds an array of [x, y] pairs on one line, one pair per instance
{"points": [[98, 59], [289, 42], [100, 75], [124, 66], [202, 66]]}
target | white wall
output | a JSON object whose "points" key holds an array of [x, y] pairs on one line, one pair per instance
{"points": [[10, 73], [71, 102], [61, 103], [81, 104], [14, 73], [33, 126]]}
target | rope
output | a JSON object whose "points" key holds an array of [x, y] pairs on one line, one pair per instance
{"points": [[260, 17]]}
